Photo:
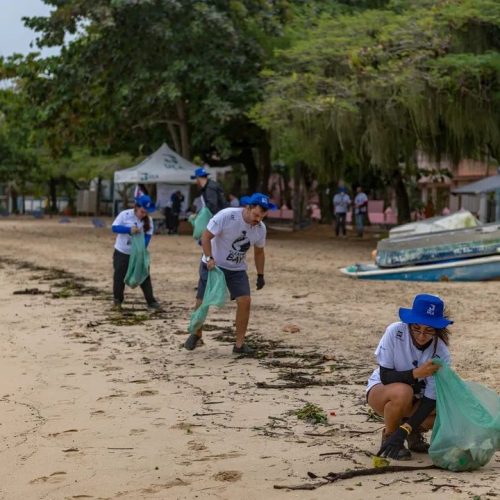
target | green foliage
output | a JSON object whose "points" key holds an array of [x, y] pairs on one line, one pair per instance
{"points": [[376, 86], [312, 413]]}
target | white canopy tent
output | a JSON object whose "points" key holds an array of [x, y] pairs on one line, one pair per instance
{"points": [[165, 168], [164, 165]]}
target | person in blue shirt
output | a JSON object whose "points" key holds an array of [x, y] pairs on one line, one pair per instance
{"points": [[128, 222]]}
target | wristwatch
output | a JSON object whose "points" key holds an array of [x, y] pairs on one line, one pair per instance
{"points": [[208, 257]]}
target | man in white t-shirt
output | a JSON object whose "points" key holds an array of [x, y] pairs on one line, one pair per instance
{"points": [[341, 204], [225, 242], [360, 210]]}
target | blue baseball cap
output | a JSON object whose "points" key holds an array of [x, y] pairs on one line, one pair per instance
{"points": [[200, 172], [144, 201], [262, 200], [427, 310]]}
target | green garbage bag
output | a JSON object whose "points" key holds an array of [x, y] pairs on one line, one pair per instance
{"points": [[138, 265], [466, 432], [200, 222], [215, 295]]}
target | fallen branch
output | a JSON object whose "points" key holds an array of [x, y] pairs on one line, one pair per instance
{"points": [[437, 487], [332, 477]]}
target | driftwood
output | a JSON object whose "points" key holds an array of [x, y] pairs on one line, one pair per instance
{"points": [[332, 477]]}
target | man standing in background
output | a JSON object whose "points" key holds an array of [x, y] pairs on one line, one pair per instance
{"points": [[360, 210], [341, 204], [176, 199], [211, 193]]}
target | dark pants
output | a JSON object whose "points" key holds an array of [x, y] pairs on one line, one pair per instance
{"points": [[120, 266], [168, 219], [340, 224], [173, 227]]}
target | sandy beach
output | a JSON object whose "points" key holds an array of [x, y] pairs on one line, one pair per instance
{"points": [[97, 404]]}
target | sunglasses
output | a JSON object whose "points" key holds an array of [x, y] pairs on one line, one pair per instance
{"points": [[426, 331]]}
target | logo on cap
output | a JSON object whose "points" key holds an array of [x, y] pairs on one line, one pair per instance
{"points": [[431, 310]]}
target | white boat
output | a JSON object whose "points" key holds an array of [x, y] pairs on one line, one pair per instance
{"points": [[475, 269], [429, 243]]}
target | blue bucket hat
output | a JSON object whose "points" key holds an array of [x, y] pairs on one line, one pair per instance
{"points": [[244, 201], [144, 201], [427, 310], [261, 200], [200, 172]]}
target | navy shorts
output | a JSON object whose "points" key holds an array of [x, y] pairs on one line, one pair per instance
{"points": [[236, 281]]}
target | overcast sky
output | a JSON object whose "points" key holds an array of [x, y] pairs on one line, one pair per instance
{"points": [[14, 36]]}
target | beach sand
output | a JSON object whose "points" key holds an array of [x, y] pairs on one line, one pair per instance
{"points": [[100, 405]]}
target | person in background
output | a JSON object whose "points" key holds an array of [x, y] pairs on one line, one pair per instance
{"points": [[140, 190], [402, 388], [360, 210], [211, 193], [225, 242], [429, 209], [341, 204], [233, 201], [128, 222], [177, 199]]}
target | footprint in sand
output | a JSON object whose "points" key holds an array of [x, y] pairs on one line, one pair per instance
{"points": [[156, 488], [196, 446], [146, 392], [230, 476], [136, 432], [55, 477]]}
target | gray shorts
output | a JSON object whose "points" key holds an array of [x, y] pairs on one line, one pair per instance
{"points": [[236, 281]]}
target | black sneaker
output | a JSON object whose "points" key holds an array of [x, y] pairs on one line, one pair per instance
{"points": [[117, 305], [154, 305], [245, 350], [191, 342], [417, 442]]}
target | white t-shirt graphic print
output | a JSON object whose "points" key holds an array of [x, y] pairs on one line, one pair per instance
{"points": [[233, 238], [396, 351]]}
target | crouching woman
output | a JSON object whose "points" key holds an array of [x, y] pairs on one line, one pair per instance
{"points": [[402, 388]]}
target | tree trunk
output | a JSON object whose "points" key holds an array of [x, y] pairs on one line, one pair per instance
{"points": [[265, 165], [248, 161], [402, 199], [287, 193], [98, 198], [175, 138], [325, 202], [13, 199], [296, 205], [182, 115], [53, 195]]}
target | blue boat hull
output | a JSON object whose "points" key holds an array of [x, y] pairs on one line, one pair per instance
{"points": [[478, 269]]}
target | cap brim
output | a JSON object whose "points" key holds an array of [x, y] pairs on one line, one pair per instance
{"points": [[408, 316]]}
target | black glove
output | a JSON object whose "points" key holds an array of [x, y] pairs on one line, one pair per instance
{"points": [[260, 281], [393, 444]]}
